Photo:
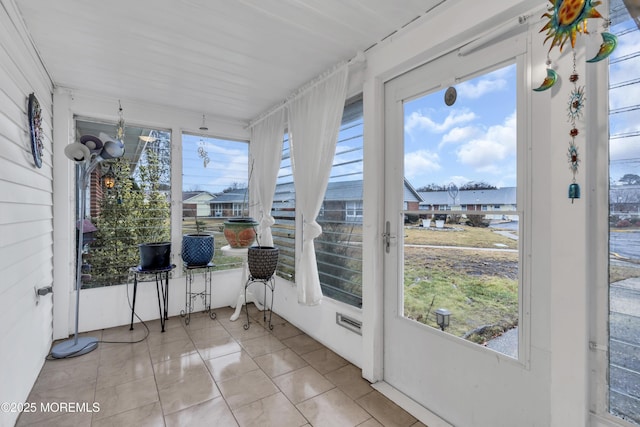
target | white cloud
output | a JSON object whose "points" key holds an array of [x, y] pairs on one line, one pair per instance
{"points": [[624, 149], [459, 134], [485, 153], [459, 180], [420, 121], [492, 83], [419, 163]]}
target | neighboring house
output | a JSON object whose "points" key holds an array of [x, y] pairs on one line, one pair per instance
{"points": [[412, 199], [196, 203], [342, 200], [485, 201], [625, 200], [231, 203]]}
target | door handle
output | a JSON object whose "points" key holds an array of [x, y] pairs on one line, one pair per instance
{"points": [[387, 237]]}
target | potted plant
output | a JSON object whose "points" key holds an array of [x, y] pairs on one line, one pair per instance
{"points": [[198, 248], [155, 251], [262, 261], [155, 255], [241, 232]]}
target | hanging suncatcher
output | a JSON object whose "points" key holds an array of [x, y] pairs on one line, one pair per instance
{"points": [[567, 18]]}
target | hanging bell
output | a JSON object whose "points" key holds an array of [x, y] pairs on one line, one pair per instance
{"points": [[574, 191]]}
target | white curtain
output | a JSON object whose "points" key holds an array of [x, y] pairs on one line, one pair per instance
{"points": [[266, 150], [314, 122]]}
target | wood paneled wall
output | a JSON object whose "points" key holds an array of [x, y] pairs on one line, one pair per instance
{"points": [[26, 215]]}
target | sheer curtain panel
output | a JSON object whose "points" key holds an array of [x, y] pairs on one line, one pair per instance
{"points": [[265, 150], [314, 122]]}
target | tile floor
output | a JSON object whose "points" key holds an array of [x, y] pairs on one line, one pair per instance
{"points": [[213, 373]]}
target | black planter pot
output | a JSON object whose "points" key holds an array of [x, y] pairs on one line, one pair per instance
{"points": [[262, 261], [197, 249], [155, 256]]}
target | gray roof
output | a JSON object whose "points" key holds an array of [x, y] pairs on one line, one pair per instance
{"points": [[499, 196], [344, 191], [410, 194], [233, 196], [339, 190], [186, 195]]}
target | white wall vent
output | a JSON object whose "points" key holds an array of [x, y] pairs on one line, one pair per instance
{"points": [[349, 322]]}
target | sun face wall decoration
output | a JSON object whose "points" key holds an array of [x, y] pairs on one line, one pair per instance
{"points": [[567, 19]]}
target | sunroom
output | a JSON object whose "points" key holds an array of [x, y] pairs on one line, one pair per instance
{"points": [[324, 121]]}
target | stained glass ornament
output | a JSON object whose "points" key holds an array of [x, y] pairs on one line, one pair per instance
{"points": [[574, 159], [567, 18], [575, 109], [576, 103], [574, 191], [609, 44], [549, 81]]}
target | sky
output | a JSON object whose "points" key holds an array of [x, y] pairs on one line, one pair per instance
{"points": [[472, 140], [624, 152], [227, 165]]}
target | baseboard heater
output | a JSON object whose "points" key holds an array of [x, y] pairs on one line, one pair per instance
{"points": [[349, 323]]}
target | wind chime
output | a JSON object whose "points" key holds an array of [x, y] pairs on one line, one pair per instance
{"points": [[120, 126], [567, 18], [120, 137], [202, 149]]}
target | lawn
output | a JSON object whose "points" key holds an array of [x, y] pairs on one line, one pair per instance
{"points": [[215, 227], [478, 286]]}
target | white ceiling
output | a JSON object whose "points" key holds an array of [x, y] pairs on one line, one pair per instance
{"points": [[232, 59]]}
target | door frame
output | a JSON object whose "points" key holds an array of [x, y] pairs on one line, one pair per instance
{"points": [[493, 59]]}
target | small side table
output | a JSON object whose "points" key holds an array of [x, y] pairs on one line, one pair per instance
{"points": [[190, 296], [162, 287], [244, 297]]}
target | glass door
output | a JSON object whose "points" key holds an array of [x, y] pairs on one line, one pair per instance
{"points": [[453, 316]]}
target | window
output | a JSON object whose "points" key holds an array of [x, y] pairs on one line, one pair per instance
{"points": [[135, 210], [354, 211], [284, 213], [215, 176], [468, 270], [624, 218], [338, 248]]}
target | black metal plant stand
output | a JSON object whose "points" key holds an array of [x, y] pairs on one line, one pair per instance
{"points": [[162, 289], [190, 296], [269, 283]]}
